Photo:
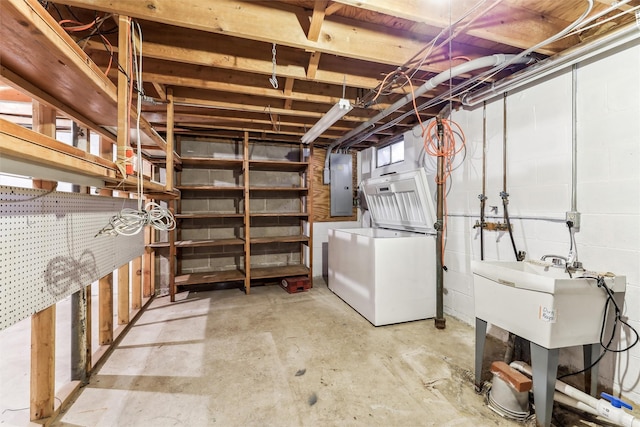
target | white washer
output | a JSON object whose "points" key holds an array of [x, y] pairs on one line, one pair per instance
{"points": [[388, 273]]}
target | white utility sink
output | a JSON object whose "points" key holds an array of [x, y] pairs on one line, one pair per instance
{"points": [[540, 302]]}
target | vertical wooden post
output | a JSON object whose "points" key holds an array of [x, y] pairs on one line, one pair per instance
{"points": [[44, 119], [105, 310], [169, 187], [247, 215], [43, 343], [170, 141], [123, 294], [88, 346], [309, 208], [172, 256], [124, 106], [43, 324], [136, 283], [79, 332], [148, 276]]}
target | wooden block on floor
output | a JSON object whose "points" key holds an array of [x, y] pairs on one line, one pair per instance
{"points": [[296, 284], [517, 380]]}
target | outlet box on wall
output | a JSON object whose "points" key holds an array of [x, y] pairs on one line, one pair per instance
{"points": [[574, 217]]}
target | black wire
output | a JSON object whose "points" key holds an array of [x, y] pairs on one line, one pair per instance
{"points": [[113, 30], [570, 225], [617, 318], [57, 11], [72, 13]]}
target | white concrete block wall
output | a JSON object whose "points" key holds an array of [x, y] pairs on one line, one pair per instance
{"points": [[539, 183]]}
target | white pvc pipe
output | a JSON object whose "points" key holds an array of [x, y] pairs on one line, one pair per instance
{"points": [[574, 403], [580, 400]]}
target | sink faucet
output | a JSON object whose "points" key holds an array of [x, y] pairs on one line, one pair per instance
{"points": [[569, 264], [556, 260]]}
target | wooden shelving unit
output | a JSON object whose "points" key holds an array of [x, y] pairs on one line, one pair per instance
{"points": [[63, 75], [259, 210]]}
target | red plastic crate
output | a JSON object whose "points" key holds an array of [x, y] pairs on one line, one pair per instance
{"points": [[296, 284]]}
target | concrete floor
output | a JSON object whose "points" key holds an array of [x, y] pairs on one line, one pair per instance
{"points": [[271, 358]]}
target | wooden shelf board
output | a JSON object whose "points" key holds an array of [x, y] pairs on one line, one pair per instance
{"points": [[277, 165], [208, 215], [158, 245], [209, 277], [205, 243], [278, 189], [40, 150], [204, 162], [278, 214], [281, 271], [208, 188], [280, 239]]}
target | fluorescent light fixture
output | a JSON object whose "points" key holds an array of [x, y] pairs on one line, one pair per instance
{"points": [[342, 107]]}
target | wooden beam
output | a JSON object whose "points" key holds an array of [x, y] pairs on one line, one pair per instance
{"points": [[43, 351], [170, 142], [172, 255], [247, 216], [312, 68], [44, 119], [123, 294], [148, 269], [333, 8], [88, 346], [288, 90], [198, 52], [279, 25], [63, 75], [21, 143], [319, 7], [518, 27], [81, 334], [159, 87], [124, 82], [136, 283], [43, 324], [105, 310]]}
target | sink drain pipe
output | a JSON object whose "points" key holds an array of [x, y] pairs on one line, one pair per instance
{"points": [[610, 409]]}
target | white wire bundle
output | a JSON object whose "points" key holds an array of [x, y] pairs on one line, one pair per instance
{"points": [[129, 222]]}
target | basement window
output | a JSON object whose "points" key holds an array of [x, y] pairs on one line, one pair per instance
{"points": [[389, 154]]}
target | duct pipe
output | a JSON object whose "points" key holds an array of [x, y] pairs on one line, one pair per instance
{"points": [[618, 37], [484, 62]]}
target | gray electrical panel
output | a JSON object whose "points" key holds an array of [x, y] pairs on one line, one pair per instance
{"points": [[341, 184]]}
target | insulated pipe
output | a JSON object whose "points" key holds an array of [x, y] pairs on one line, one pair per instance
{"points": [[557, 62], [484, 62]]}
